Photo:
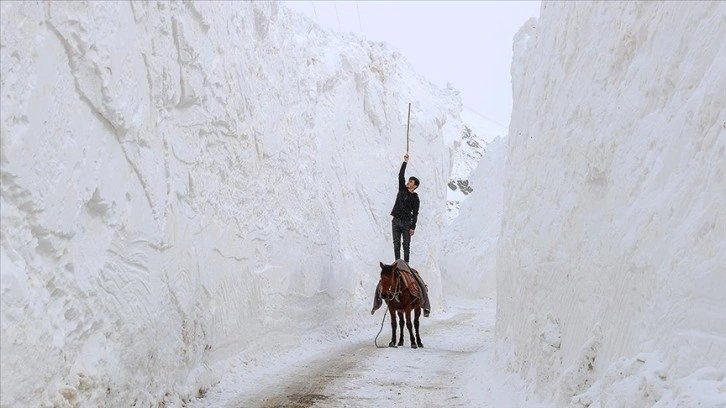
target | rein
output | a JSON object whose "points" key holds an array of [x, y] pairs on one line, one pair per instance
{"points": [[375, 341]]}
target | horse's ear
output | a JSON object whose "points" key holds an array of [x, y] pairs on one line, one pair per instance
{"points": [[381, 263]]}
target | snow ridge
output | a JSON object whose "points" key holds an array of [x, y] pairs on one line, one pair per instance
{"points": [[185, 186], [613, 212]]}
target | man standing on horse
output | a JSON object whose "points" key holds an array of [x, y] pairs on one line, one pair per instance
{"points": [[405, 212]]}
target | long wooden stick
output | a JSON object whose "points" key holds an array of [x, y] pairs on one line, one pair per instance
{"points": [[408, 123]]}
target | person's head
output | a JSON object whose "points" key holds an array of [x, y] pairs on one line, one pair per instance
{"points": [[412, 184]]}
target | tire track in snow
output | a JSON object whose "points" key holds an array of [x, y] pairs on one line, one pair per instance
{"points": [[362, 375]]}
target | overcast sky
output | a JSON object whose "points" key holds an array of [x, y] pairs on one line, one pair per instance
{"points": [[467, 43]]}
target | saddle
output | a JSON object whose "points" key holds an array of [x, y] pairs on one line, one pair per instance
{"points": [[411, 281]]}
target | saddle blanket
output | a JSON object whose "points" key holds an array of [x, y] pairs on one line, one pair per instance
{"points": [[411, 280]]}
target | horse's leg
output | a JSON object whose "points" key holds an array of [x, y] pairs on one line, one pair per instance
{"points": [[400, 324], [409, 326], [393, 327], [415, 325]]}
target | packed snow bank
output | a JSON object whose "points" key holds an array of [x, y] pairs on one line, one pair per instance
{"points": [[612, 255], [469, 248], [184, 183]]}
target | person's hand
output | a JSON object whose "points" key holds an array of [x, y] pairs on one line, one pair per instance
{"points": [[405, 157], [411, 232]]}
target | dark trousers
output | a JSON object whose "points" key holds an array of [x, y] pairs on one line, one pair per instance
{"points": [[400, 229]]}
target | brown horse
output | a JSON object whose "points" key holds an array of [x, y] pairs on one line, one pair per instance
{"points": [[401, 296]]}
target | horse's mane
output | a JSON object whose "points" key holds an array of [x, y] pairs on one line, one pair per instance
{"points": [[386, 269]]}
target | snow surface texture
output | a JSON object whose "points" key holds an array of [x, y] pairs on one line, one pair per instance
{"points": [[611, 288], [456, 368], [190, 185], [469, 248]]}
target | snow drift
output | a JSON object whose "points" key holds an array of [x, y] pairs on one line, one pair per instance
{"points": [[611, 260], [187, 186], [469, 249]]}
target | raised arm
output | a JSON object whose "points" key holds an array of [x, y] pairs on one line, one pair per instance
{"points": [[402, 177], [402, 173]]}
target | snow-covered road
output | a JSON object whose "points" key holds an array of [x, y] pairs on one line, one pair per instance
{"points": [[455, 368]]}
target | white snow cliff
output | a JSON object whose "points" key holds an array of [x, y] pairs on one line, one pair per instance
{"points": [[187, 183], [611, 266]]}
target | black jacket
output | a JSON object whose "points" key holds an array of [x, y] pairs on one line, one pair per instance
{"points": [[406, 206]]}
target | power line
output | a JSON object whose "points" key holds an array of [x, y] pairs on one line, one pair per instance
{"points": [[360, 25], [335, 4], [484, 116], [315, 12]]}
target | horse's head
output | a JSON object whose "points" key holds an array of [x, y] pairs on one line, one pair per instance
{"points": [[388, 281]]}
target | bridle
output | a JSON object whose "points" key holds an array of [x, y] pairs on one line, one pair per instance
{"points": [[397, 289]]}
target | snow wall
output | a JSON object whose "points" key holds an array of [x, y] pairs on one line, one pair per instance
{"points": [[189, 184], [469, 248], [611, 280]]}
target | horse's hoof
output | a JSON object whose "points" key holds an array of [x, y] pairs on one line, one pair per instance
{"points": [[413, 346], [400, 344], [420, 345], [392, 345]]}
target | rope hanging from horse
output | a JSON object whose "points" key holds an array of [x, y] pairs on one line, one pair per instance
{"points": [[375, 341]]}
